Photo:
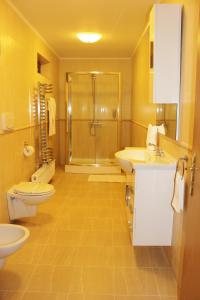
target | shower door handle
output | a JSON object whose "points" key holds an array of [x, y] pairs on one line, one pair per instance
{"points": [[114, 113], [92, 129], [93, 125]]}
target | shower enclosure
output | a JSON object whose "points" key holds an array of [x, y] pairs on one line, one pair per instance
{"points": [[93, 108]]}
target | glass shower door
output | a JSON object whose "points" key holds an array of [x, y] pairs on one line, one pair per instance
{"points": [[82, 141], [93, 114], [107, 115]]}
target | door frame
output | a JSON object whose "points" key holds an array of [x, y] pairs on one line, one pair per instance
{"points": [[184, 285]]}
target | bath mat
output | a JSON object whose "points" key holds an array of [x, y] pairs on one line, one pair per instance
{"points": [[107, 178]]}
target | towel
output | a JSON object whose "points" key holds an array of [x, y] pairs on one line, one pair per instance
{"points": [[179, 193], [52, 116], [161, 129], [151, 136]]}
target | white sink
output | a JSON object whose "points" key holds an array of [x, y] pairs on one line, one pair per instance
{"points": [[137, 158], [128, 156]]}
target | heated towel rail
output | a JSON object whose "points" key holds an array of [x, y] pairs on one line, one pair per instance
{"points": [[45, 152]]}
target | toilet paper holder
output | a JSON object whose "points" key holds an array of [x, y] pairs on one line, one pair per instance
{"points": [[28, 149]]}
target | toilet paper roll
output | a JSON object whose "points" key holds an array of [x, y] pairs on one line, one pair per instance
{"points": [[28, 150]]}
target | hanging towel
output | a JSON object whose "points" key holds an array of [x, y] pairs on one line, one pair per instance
{"points": [[161, 129], [52, 116], [151, 136], [179, 193]]}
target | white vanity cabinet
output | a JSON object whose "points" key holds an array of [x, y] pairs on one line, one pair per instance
{"points": [[150, 210], [165, 53]]}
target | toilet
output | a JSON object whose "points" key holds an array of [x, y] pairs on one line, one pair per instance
{"points": [[24, 197], [12, 237]]}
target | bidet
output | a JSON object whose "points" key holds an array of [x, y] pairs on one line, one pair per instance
{"points": [[12, 238]]}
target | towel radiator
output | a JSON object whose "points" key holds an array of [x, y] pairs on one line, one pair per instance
{"points": [[45, 152]]}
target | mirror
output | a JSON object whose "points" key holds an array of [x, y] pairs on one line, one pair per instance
{"points": [[167, 114]]}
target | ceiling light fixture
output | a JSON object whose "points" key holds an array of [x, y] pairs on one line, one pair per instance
{"points": [[88, 37]]}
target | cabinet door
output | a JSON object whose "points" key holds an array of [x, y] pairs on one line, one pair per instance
{"points": [[165, 53], [153, 214]]}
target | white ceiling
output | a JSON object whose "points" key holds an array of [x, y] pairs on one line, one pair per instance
{"points": [[120, 22]]}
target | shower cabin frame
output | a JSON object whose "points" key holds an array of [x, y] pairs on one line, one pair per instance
{"points": [[69, 117]]}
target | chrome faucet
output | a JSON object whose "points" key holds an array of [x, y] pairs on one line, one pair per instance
{"points": [[156, 149]]}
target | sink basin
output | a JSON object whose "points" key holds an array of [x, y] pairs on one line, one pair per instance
{"points": [[139, 158], [128, 156]]}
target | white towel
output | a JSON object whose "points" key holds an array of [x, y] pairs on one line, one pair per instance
{"points": [[179, 193], [161, 129], [52, 116], [152, 134]]}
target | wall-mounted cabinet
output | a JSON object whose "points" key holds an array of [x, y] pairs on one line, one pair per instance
{"points": [[165, 53]]}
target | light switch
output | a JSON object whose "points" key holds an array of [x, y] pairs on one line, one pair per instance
{"points": [[7, 121]]}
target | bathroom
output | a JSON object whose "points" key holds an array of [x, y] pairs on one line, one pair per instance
{"points": [[30, 53]]}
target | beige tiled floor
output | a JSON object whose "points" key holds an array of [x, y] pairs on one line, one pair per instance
{"points": [[80, 249]]}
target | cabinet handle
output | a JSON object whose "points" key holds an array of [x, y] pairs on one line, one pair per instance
{"points": [[127, 195], [130, 225], [193, 170], [151, 55], [131, 209]]}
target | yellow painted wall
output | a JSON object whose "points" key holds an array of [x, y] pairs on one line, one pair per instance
{"points": [[18, 77], [105, 65]]}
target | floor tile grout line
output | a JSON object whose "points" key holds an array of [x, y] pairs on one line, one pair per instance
{"points": [[82, 280], [52, 277]]}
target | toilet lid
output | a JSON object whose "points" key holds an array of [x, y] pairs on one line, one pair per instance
{"points": [[33, 188]]}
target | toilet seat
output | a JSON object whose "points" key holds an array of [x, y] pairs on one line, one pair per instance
{"points": [[33, 188]]}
